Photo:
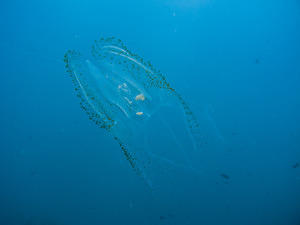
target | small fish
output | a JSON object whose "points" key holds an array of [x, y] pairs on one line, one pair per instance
{"points": [[296, 165], [225, 176]]}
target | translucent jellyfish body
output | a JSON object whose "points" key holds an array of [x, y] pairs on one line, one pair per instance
{"points": [[124, 94]]}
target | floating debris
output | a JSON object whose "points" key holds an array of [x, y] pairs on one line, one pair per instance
{"points": [[225, 176]]}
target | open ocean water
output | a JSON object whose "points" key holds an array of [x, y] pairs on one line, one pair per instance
{"points": [[235, 63]]}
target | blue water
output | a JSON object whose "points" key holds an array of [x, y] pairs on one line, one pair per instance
{"points": [[237, 63]]}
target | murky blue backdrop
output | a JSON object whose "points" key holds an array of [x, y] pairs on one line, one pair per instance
{"points": [[237, 60]]}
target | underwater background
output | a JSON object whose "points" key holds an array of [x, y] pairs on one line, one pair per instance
{"points": [[237, 64]]}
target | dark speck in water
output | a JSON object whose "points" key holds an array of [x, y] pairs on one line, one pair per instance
{"points": [[33, 173], [225, 176], [162, 217], [296, 165]]}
